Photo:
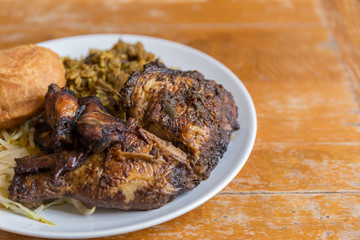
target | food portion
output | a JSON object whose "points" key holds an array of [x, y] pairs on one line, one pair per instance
{"points": [[25, 73], [103, 73], [16, 143], [111, 163], [61, 111], [195, 114], [126, 132]]}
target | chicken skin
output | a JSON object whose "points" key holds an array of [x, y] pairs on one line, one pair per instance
{"points": [[178, 126], [61, 108], [112, 163], [195, 114]]}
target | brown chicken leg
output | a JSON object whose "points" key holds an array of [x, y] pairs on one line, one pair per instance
{"points": [[62, 109], [142, 172]]}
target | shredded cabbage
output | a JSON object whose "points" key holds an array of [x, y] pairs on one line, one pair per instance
{"points": [[10, 148], [16, 144], [80, 207], [19, 208]]}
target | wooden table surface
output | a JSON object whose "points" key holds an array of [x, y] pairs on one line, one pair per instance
{"points": [[299, 59]]}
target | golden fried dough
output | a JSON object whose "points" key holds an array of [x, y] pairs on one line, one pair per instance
{"points": [[25, 73]]}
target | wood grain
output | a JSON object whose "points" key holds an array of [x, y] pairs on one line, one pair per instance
{"points": [[250, 216], [299, 59], [342, 18], [294, 169]]}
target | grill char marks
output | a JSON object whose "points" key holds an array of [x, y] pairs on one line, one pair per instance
{"points": [[61, 108], [97, 128], [195, 114], [111, 163], [179, 125]]}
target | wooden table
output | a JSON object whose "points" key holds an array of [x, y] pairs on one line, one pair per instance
{"points": [[299, 60]]}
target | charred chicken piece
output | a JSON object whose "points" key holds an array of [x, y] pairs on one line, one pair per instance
{"points": [[98, 129], [61, 109], [195, 114], [141, 172], [43, 137], [130, 168], [58, 163]]}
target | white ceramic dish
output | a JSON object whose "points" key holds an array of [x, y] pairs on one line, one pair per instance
{"points": [[105, 222]]}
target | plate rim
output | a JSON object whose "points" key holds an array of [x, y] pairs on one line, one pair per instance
{"points": [[183, 210]]}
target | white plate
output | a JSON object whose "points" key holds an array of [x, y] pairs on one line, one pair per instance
{"points": [[105, 222]]}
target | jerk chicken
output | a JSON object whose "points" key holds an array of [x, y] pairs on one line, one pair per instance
{"points": [[111, 163], [179, 124], [195, 114], [61, 109]]}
